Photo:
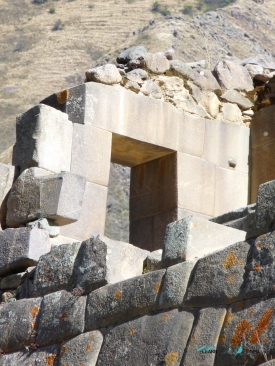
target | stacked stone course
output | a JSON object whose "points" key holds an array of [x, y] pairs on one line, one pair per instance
{"points": [[195, 289]]}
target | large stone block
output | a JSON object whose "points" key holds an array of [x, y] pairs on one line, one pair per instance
{"points": [[123, 300], [175, 285], [247, 333], [204, 337], [43, 139], [196, 184], [92, 216], [17, 324], [61, 317], [262, 131], [21, 248], [42, 356], [193, 237], [91, 153], [81, 350], [230, 75], [156, 339], [123, 260], [191, 132], [231, 190], [153, 187], [38, 194], [68, 266], [226, 143], [7, 176]]}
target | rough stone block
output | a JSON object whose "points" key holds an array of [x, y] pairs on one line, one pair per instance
{"points": [[91, 153], [230, 75], [131, 53], [191, 131], [42, 356], [7, 176], [18, 320], [247, 333], [106, 74], [184, 213], [175, 285], [43, 139], [37, 194], [231, 190], [14, 280], [68, 266], [51, 227], [204, 337], [225, 142], [193, 237], [232, 96], [81, 350], [262, 131], [241, 271], [123, 260], [21, 248], [156, 339], [155, 62], [114, 303], [153, 187], [92, 216], [61, 317], [196, 184], [148, 233]]}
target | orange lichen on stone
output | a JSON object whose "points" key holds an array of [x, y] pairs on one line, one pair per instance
{"points": [[63, 317], [118, 295], [63, 96], [34, 311], [193, 338], [240, 261], [222, 338], [112, 357], [132, 332], [259, 245], [92, 336], [88, 347], [170, 283], [171, 358], [228, 318], [251, 313], [241, 330], [257, 268], [230, 278], [240, 305], [64, 349], [195, 225], [230, 260], [165, 316], [50, 360], [157, 287], [33, 325], [261, 326], [99, 303]]}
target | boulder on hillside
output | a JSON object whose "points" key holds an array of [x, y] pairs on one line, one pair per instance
{"points": [[106, 74], [130, 54]]}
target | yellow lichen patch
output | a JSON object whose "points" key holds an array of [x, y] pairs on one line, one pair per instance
{"points": [[50, 360], [171, 358], [241, 330], [63, 317], [165, 316], [64, 349], [251, 313], [240, 261], [118, 295], [231, 278], [157, 287], [88, 347], [63, 96], [222, 338], [34, 311], [261, 326], [193, 338], [257, 268], [228, 318], [132, 332], [230, 260]]}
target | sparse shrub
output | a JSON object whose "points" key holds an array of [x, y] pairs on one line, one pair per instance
{"points": [[39, 1], [130, 1], [52, 10], [91, 6], [187, 10], [165, 11], [156, 6], [59, 25]]}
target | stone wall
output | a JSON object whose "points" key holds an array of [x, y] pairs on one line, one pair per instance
{"points": [[198, 286]]}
